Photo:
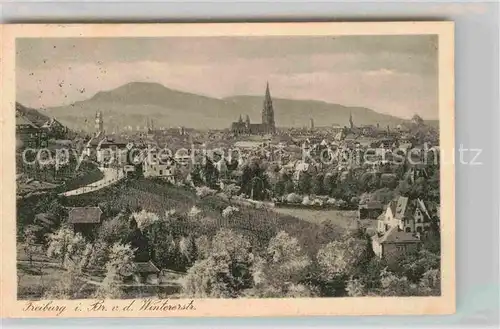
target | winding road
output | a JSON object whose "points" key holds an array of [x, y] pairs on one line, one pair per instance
{"points": [[111, 176]]}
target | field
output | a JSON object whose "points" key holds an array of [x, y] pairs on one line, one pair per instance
{"points": [[341, 218]]}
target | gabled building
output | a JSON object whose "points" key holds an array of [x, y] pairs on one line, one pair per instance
{"points": [[370, 210], [54, 128], [141, 273], [267, 126], [28, 134], [164, 167], [84, 220], [400, 227], [111, 151]]}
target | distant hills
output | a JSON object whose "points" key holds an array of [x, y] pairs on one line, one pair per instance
{"points": [[31, 114], [132, 104]]}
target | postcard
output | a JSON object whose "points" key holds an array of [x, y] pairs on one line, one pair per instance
{"points": [[227, 169]]}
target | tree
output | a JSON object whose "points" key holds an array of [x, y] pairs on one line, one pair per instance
{"points": [[65, 245], [189, 250], [138, 242], [286, 262], [113, 230], [430, 284], [203, 245], [29, 242], [253, 180], [145, 218], [304, 183], [340, 258], [209, 173], [279, 188], [393, 285], [235, 245], [194, 212], [355, 288], [226, 272], [162, 248], [388, 181], [196, 175], [231, 190], [289, 187], [99, 254], [329, 183], [68, 286], [210, 278], [229, 211], [415, 265], [317, 185], [368, 182], [120, 264]]}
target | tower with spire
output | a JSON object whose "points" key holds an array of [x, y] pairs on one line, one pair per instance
{"points": [[267, 126], [99, 124], [268, 112], [351, 122], [247, 122]]}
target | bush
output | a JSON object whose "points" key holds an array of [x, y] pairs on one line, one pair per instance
{"points": [[293, 198]]}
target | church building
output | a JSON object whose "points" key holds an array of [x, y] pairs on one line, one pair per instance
{"points": [[267, 126]]}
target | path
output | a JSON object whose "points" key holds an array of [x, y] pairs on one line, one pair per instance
{"points": [[111, 176]]}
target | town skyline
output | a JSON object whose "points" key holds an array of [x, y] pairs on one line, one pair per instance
{"points": [[351, 71]]}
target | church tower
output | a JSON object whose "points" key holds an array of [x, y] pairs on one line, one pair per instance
{"points": [[99, 124], [247, 122], [351, 122], [268, 112]]}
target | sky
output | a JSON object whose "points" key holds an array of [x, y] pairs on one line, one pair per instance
{"points": [[395, 75]]}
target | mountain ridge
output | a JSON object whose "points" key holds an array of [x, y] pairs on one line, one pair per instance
{"points": [[135, 102]]}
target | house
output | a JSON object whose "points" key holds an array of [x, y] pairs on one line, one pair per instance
{"points": [[54, 128], [415, 172], [162, 168], [144, 272], [400, 227], [112, 150], [370, 210], [129, 170], [336, 128], [394, 243], [85, 219], [28, 134], [182, 157]]}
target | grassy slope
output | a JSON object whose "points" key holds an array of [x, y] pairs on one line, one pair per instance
{"points": [[258, 224]]}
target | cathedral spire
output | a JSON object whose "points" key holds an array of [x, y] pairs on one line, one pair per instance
{"points": [[268, 111]]}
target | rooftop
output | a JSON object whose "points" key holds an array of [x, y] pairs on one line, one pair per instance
{"points": [[145, 267], [394, 235], [85, 215]]}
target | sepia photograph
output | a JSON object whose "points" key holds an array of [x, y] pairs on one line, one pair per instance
{"points": [[231, 166]]}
